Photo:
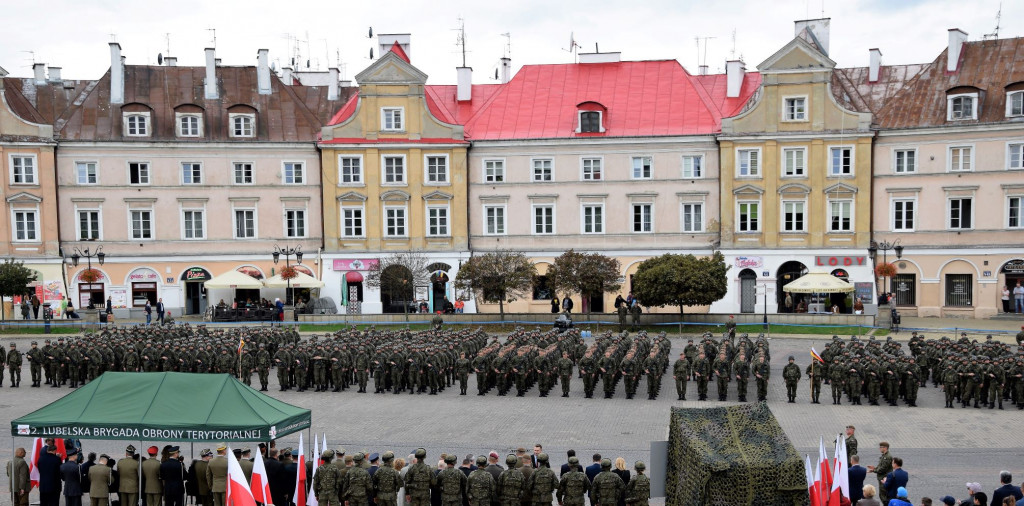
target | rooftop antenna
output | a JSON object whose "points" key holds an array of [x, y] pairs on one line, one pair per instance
{"points": [[995, 33], [31, 57], [167, 37], [213, 32], [308, 52], [732, 52], [460, 39], [508, 44], [113, 37], [572, 46], [702, 59]]}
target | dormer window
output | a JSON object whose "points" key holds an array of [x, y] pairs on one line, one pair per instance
{"points": [[590, 117], [136, 124], [1015, 104], [962, 106], [392, 119], [190, 125], [243, 125], [794, 109]]}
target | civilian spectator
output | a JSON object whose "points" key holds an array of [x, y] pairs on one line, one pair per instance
{"points": [[896, 478], [926, 501], [592, 471], [565, 467], [620, 469], [972, 488], [948, 500], [980, 499], [537, 449], [1006, 490], [856, 475], [869, 499], [901, 498]]}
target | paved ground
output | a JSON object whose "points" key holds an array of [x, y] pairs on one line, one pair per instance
{"points": [[942, 448]]}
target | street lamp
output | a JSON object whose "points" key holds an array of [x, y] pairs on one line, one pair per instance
{"points": [[287, 252], [77, 253], [885, 247]]}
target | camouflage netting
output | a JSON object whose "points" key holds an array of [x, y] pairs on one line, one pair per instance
{"points": [[732, 455]]}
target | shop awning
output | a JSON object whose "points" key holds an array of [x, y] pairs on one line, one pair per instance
{"points": [[299, 281], [234, 279], [818, 282], [353, 277]]}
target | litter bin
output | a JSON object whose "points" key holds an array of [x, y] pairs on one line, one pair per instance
{"points": [[103, 316]]}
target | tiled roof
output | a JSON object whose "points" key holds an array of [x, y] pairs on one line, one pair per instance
{"points": [[988, 65], [43, 103], [850, 86]]}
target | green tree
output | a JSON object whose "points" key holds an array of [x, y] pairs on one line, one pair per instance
{"points": [[588, 274], [680, 280], [501, 276], [14, 280]]}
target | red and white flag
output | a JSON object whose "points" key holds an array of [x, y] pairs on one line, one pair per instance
{"points": [[300, 477], [826, 472], [316, 453], [841, 478], [260, 485], [61, 451], [311, 500], [33, 458], [811, 486], [237, 492]]}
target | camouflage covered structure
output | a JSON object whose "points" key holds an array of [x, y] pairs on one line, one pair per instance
{"points": [[735, 455]]}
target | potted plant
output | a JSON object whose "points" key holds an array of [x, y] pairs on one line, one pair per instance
{"points": [[90, 276], [289, 272], [885, 270]]}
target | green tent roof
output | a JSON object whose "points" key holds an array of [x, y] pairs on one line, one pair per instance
{"points": [[165, 406]]}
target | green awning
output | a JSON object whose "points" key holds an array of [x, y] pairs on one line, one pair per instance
{"points": [[164, 406]]}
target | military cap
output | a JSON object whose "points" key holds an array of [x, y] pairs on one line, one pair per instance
{"points": [[130, 449], [246, 449], [388, 455], [35, 343], [152, 450], [327, 454], [606, 463], [358, 457], [481, 461], [340, 451], [420, 453], [72, 451], [206, 452], [374, 456], [221, 446], [573, 461], [48, 341], [13, 345], [543, 457], [511, 460], [173, 449], [639, 465], [450, 459], [295, 453], [791, 357]]}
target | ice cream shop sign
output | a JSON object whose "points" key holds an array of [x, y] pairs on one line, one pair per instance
{"points": [[839, 261]]}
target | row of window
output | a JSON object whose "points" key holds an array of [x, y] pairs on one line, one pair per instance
{"points": [[959, 158], [396, 221], [139, 124], [393, 170], [139, 173], [141, 225], [959, 213], [964, 106], [794, 216], [592, 218], [794, 162]]}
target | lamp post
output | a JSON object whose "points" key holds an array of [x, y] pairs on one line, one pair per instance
{"points": [[885, 247], [87, 253], [287, 252]]}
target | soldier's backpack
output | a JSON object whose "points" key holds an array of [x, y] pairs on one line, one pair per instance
{"points": [[385, 482], [641, 488], [327, 478], [512, 484], [478, 489], [451, 484], [574, 485], [543, 483], [607, 488]]}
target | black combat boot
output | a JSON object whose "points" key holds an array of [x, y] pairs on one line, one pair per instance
{"points": [[975, 403]]}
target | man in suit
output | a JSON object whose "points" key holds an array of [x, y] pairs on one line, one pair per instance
{"points": [[274, 471], [172, 474], [565, 467], [160, 310], [217, 475], [896, 478], [49, 477], [18, 472], [128, 471], [71, 475], [856, 475], [537, 450], [592, 471], [152, 487], [1006, 490], [86, 466], [289, 471], [100, 479]]}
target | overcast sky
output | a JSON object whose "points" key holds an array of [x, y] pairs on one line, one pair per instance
{"points": [[74, 34]]}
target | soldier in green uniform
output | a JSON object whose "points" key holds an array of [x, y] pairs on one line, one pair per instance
{"points": [[702, 374], [511, 481], [462, 366], [14, 365], [573, 486], [480, 485], [262, 361], [452, 483], [814, 375], [357, 483], [565, 373], [607, 486], [419, 479], [1017, 373], [722, 376], [35, 361], [837, 377], [622, 316], [762, 373], [972, 390], [912, 379], [791, 375], [154, 488], [608, 367], [653, 368], [387, 482], [282, 360], [542, 482], [325, 480], [300, 364], [638, 490], [128, 481], [741, 371], [883, 468], [681, 373], [950, 381], [854, 380], [320, 360], [361, 367], [996, 381], [588, 371]]}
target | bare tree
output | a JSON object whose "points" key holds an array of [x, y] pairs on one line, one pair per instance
{"points": [[398, 275], [501, 276]]}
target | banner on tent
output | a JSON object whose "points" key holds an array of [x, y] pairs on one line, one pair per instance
{"points": [[156, 434]]}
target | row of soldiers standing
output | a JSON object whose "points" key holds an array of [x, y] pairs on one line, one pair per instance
{"points": [[741, 359]]}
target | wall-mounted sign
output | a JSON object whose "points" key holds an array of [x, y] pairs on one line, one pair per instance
{"points": [[196, 274], [1014, 267], [143, 275], [749, 262], [354, 264], [837, 261]]}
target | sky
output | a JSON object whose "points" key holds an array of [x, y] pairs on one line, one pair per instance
{"points": [[74, 34]]}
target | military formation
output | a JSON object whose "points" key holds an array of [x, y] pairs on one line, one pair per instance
{"points": [[723, 361]]}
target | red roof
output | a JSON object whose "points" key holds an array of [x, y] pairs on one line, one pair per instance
{"points": [[393, 140], [715, 86], [399, 52], [441, 101]]}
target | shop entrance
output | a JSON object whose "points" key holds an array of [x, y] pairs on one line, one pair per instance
{"points": [[787, 273], [195, 293], [748, 291], [90, 295], [1013, 273]]}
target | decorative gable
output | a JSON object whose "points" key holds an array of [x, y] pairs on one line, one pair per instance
{"points": [[437, 195], [24, 198], [391, 69], [841, 189], [748, 189], [394, 196], [797, 55], [794, 189], [351, 197]]}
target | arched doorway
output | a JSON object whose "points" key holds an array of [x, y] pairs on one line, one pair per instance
{"points": [[841, 299], [787, 273], [396, 289], [195, 293], [438, 285], [748, 291], [1013, 273]]}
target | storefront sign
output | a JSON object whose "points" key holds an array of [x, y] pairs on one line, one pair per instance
{"points": [[196, 274], [749, 262], [836, 261], [143, 275], [864, 292], [354, 264], [1014, 267]]}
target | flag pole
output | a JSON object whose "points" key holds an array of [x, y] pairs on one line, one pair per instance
{"points": [[812, 379]]}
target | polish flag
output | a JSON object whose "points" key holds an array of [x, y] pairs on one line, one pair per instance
{"points": [[316, 452], [237, 492], [826, 472], [811, 485], [311, 500], [841, 483], [61, 450], [300, 477], [33, 458], [260, 485]]}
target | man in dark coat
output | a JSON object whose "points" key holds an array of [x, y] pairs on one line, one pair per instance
{"points": [[71, 475], [592, 471], [275, 470], [896, 478], [1006, 490], [286, 483], [172, 475], [856, 474], [49, 477]]}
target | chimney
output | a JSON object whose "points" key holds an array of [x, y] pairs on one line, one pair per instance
{"points": [[702, 70], [216, 61], [55, 75], [600, 57], [263, 71], [40, 71], [286, 75], [734, 73], [386, 40], [332, 87], [874, 64], [818, 28], [171, 61], [211, 74], [464, 89], [506, 69], [116, 74], [957, 37]]}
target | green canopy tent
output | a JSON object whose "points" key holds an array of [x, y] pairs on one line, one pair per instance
{"points": [[165, 406]]}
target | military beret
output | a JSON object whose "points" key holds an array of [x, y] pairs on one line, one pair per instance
{"points": [[152, 450]]}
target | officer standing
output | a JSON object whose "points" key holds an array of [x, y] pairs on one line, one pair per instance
{"points": [[722, 376], [763, 372], [638, 490], [217, 475], [35, 360], [702, 373], [128, 478], [462, 366], [681, 373], [791, 375], [100, 479], [565, 373], [357, 484], [883, 468], [14, 365], [419, 479], [509, 487], [151, 477], [452, 483], [387, 482], [573, 486], [542, 482], [172, 474]]}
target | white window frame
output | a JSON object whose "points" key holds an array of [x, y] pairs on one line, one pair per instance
{"points": [[384, 170], [533, 219], [193, 181], [357, 177], [650, 218], [949, 213], [584, 175], [447, 219], [892, 214], [579, 121], [949, 106], [495, 173], [95, 173], [235, 166], [131, 224], [596, 225], [148, 173], [1010, 96], [362, 221], [426, 169], [185, 221], [179, 123], [34, 169], [756, 229], [633, 168], [696, 161], [550, 170], [853, 161], [500, 228], [682, 218], [233, 129], [1018, 148], [756, 173], [298, 176], [384, 111], [782, 216], [1020, 212], [146, 124], [305, 222], [784, 162], [99, 223], [255, 222], [36, 231], [959, 168], [405, 221], [794, 116], [896, 152], [853, 219]]}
